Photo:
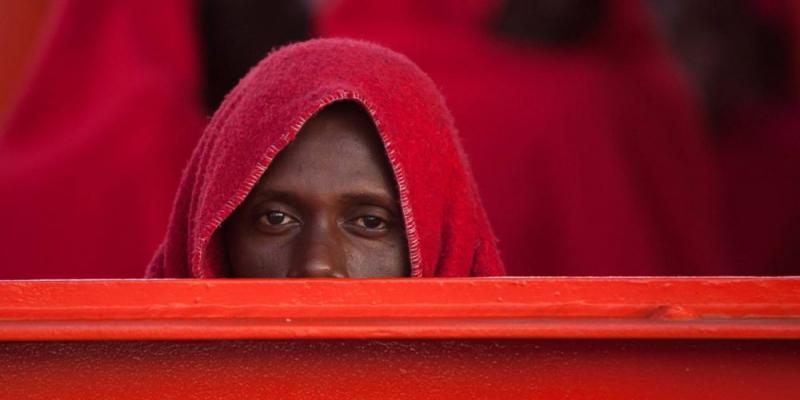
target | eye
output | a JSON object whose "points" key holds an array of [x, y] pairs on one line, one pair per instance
{"points": [[275, 218], [371, 222]]}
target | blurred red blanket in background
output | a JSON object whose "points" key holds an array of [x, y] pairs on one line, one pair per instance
{"points": [[759, 152], [591, 160], [91, 152]]}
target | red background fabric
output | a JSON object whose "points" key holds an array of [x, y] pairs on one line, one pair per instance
{"points": [[759, 154], [91, 153], [590, 160]]}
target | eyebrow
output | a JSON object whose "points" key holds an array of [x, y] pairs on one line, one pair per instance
{"points": [[380, 198], [275, 195], [383, 199]]}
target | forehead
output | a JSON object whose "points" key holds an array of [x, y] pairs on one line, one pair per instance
{"points": [[339, 149]]}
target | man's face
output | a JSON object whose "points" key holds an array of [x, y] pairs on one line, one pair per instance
{"points": [[326, 207]]}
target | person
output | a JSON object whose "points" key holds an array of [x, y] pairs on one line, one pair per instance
{"points": [[742, 60], [94, 138], [331, 158], [584, 140]]}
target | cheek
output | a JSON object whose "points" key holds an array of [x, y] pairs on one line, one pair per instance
{"points": [[259, 257], [377, 259]]}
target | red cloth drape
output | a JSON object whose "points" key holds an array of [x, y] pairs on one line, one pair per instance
{"points": [[590, 160], [759, 153], [91, 153]]}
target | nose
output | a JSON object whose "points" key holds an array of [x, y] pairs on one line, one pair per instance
{"points": [[319, 254]]}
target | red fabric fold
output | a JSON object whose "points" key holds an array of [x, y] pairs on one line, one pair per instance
{"points": [[447, 231]]}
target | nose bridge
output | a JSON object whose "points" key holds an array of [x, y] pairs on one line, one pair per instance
{"points": [[319, 253]]}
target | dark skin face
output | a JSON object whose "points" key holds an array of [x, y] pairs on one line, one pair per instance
{"points": [[326, 207]]}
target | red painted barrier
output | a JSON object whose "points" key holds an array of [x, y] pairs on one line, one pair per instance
{"points": [[609, 338]]}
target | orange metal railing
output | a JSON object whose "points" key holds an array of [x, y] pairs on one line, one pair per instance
{"points": [[502, 338]]}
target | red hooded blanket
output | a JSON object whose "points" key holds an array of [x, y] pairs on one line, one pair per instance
{"points": [[590, 159], [447, 231]]}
